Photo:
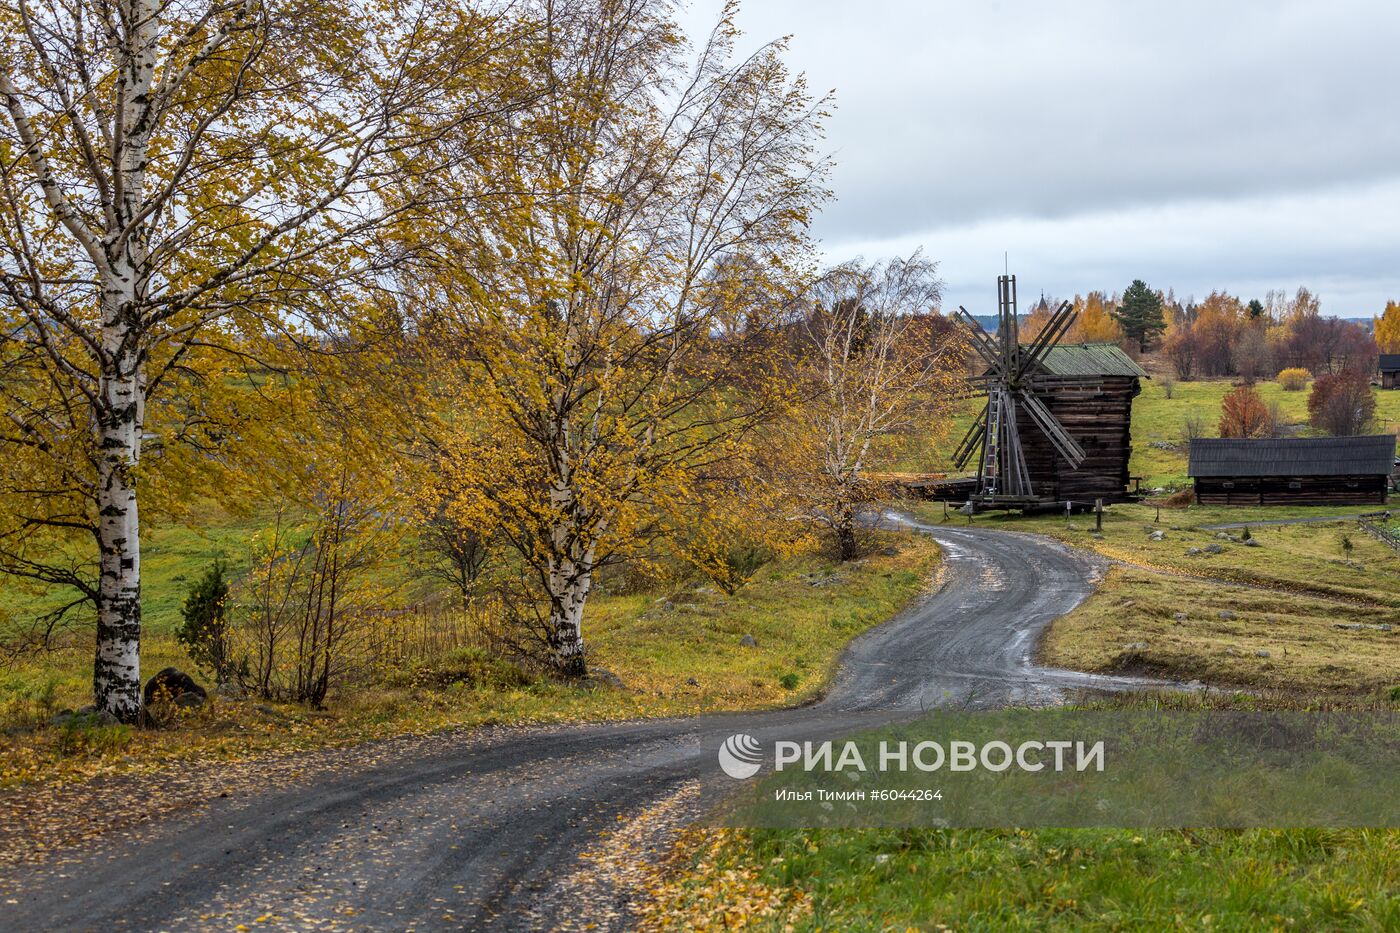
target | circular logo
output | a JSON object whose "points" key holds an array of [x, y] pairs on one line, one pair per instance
{"points": [[740, 756]]}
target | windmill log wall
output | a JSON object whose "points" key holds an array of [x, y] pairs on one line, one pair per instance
{"points": [[1097, 412]]}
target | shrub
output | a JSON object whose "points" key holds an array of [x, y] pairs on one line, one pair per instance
{"points": [[1244, 414], [789, 681], [204, 629], [1342, 404], [1294, 379], [472, 667]]}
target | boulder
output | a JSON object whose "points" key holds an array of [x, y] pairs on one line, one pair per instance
{"points": [[175, 686], [748, 641], [1252, 542], [1157, 536], [1261, 653], [1214, 549], [1227, 615], [1180, 617]]}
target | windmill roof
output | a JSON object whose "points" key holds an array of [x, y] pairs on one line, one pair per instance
{"points": [[1293, 456], [1390, 362], [1090, 359]]}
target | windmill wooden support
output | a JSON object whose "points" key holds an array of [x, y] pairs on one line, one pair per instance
{"points": [[1026, 456]]}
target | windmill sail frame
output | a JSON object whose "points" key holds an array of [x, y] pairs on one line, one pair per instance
{"points": [[1011, 379]]}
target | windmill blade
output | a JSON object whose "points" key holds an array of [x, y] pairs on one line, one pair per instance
{"points": [[1058, 325], [982, 343], [1067, 446], [1015, 478], [1054, 328], [971, 440]]}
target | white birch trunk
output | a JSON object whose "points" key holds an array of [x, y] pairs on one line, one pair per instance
{"points": [[120, 415], [570, 578], [116, 676], [568, 585]]}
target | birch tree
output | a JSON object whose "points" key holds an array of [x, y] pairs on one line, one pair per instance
{"points": [[871, 367], [170, 173], [594, 340]]}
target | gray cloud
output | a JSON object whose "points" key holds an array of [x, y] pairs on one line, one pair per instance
{"points": [[1207, 144]]}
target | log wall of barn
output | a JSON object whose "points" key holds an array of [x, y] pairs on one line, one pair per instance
{"points": [[1291, 490], [1097, 412]]}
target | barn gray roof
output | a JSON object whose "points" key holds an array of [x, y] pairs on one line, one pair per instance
{"points": [[1293, 456], [1390, 362], [1090, 359]]}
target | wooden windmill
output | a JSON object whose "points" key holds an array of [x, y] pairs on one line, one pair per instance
{"points": [[1014, 375]]}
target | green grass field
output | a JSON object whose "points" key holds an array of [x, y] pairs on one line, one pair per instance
{"points": [[991, 880]]}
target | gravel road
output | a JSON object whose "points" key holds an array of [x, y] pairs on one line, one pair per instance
{"points": [[540, 828]]}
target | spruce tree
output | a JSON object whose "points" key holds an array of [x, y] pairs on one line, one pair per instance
{"points": [[1140, 314]]}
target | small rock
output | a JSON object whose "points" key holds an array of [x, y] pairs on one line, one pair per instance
{"points": [[889, 552], [171, 684], [1214, 549], [1363, 626], [1261, 653], [1227, 615], [85, 717], [1135, 646], [1192, 551], [1180, 617], [748, 641], [1157, 536], [1253, 542], [602, 677], [1224, 536], [692, 682], [231, 690], [882, 858]]}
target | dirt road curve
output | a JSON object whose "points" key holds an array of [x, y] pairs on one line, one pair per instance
{"points": [[503, 830]]}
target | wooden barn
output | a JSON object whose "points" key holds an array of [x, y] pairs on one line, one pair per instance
{"points": [[1057, 424], [1389, 368], [1293, 470]]}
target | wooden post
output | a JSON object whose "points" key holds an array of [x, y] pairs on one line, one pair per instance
{"points": [[1067, 506], [945, 510], [1158, 519], [1098, 515]]}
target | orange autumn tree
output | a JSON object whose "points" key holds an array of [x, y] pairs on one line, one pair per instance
{"points": [[1094, 324], [1244, 414], [1388, 328]]}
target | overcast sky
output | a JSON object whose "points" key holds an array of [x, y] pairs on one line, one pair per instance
{"points": [[1238, 145]]}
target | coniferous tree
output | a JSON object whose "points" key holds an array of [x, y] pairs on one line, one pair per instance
{"points": [[1140, 314]]}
